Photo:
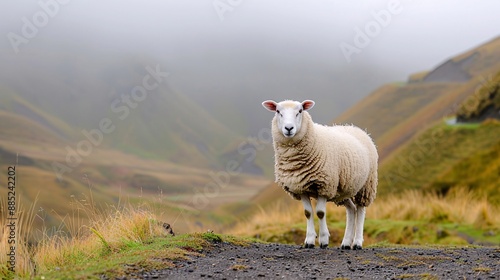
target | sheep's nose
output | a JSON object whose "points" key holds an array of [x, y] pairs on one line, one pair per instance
{"points": [[289, 128]]}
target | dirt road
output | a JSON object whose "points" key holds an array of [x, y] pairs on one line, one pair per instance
{"points": [[277, 261]]}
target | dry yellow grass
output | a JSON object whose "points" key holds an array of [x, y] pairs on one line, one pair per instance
{"points": [[459, 206], [23, 223], [108, 230]]}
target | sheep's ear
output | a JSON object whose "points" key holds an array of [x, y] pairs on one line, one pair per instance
{"points": [[307, 104], [270, 105]]}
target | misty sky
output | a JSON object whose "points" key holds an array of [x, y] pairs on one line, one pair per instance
{"points": [[204, 45]]}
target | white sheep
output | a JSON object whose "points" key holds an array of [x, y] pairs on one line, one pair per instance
{"points": [[329, 163]]}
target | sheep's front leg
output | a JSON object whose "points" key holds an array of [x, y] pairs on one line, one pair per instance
{"points": [[311, 232], [324, 234], [350, 224], [360, 222]]}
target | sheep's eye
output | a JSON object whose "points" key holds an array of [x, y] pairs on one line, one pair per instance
{"points": [[278, 111], [300, 111]]}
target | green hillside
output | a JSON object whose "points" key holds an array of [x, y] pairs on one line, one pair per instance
{"points": [[446, 156], [394, 113], [449, 154], [484, 103]]}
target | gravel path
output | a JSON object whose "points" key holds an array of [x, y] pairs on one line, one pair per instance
{"points": [[278, 261]]}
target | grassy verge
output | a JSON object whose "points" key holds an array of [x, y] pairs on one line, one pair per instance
{"points": [[412, 217], [118, 241], [133, 257]]}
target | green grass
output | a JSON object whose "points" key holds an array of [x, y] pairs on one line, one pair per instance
{"points": [[483, 98], [411, 217], [157, 253], [423, 232], [444, 157], [463, 126], [380, 232], [136, 243]]}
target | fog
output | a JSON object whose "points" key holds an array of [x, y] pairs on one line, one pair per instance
{"points": [[281, 49]]}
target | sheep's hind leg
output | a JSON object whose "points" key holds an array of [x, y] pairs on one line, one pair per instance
{"points": [[324, 234], [350, 224], [311, 232], [360, 222]]}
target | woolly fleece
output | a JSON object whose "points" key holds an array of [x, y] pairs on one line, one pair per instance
{"points": [[337, 162]]}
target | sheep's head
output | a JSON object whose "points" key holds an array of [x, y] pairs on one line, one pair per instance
{"points": [[288, 114]]}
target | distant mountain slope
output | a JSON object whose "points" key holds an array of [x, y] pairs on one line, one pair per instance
{"points": [[453, 154], [66, 94], [446, 156], [20, 128], [394, 113], [159, 146], [13, 105]]}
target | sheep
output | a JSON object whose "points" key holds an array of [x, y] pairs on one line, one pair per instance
{"points": [[330, 163]]}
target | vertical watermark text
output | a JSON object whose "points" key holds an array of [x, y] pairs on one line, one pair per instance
{"points": [[11, 218]]}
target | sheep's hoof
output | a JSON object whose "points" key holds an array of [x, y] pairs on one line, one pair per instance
{"points": [[323, 246], [308, 246], [345, 247], [357, 247]]}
